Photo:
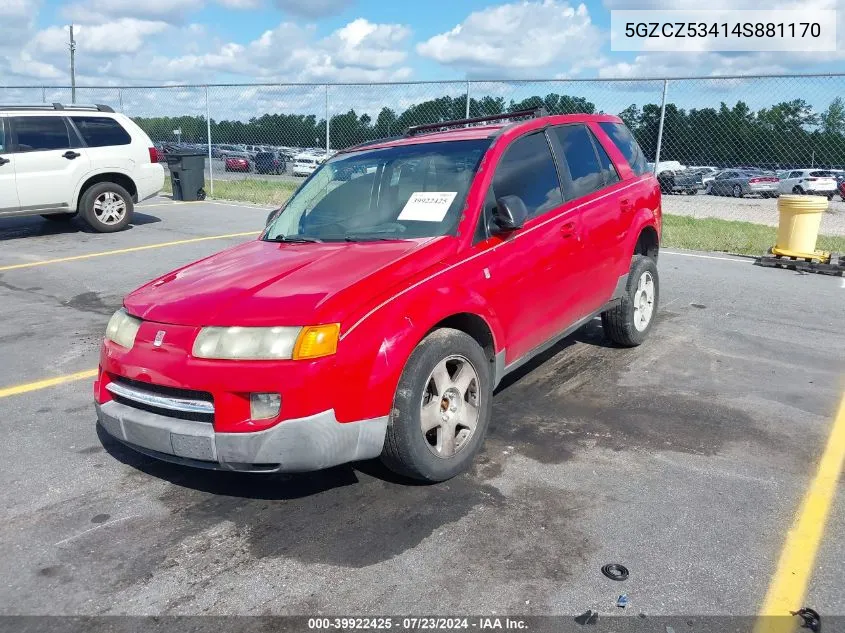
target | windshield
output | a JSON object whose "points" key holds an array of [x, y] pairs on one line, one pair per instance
{"points": [[400, 192]]}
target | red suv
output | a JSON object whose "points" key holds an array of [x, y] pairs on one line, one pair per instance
{"points": [[385, 301]]}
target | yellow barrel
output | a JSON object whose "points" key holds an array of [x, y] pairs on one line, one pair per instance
{"points": [[798, 226]]}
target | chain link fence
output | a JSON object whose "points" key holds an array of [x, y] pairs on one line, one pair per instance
{"points": [[722, 145]]}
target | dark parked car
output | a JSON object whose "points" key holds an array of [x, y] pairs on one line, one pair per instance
{"points": [[681, 181], [269, 163]]}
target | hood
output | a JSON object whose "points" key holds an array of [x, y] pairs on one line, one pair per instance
{"points": [[267, 283]]}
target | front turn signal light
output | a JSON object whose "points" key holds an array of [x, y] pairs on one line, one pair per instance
{"points": [[316, 341]]}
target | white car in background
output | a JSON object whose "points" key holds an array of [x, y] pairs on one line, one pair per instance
{"points": [[58, 161], [817, 182], [305, 164]]}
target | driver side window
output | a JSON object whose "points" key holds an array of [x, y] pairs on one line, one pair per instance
{"points": [[527, 170]]}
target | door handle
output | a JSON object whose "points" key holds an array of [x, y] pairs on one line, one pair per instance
{"points": [[3, 161], [70, 154]]}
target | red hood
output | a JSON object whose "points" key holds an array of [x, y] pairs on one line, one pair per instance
{"points": [[266, 283]]}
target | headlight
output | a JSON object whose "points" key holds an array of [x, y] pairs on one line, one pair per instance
{"points": [[266, 343], [122, 329]]}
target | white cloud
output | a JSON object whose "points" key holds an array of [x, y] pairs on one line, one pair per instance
{"points": [[313, 8], [98, 11], [359, 51], [240, 4], [126, 35], [521, 37]]}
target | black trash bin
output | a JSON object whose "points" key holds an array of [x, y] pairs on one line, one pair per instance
{"points": [[187, 175]]}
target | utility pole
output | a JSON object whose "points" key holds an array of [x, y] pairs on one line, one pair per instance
{"points": [[72, 67]]}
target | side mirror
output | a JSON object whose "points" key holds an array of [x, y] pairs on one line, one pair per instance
{"points": [[510, 214], [272, 216]]}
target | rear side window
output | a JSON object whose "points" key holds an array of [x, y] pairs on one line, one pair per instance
{"points": [[822, 174], [581, 159], [527, 170], [101, 131], [40, 133], [627, 144], [608, 170]]}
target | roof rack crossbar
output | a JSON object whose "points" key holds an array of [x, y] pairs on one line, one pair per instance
{"points": [[99, 107], [532, 113]]}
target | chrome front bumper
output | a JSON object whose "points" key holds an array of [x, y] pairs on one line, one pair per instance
{"points": [[298, 445]]}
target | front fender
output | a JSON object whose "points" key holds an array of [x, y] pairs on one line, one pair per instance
{"points": [[373, 352]]}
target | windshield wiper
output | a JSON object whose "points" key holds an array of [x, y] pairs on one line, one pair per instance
{"points": [[370, 238], [294, 239]]}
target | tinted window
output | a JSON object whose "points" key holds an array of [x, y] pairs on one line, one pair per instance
{"points": [[41, 133], [527, 170], [2, 135], [608, 169], [584, 168], [627, 144], [101, 131], [795, 174], [821, 174]]}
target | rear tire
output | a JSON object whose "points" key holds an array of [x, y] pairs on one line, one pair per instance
{"points": [[446, 388], [737, 191], [106, 207], [797, 190], [630, 322]]}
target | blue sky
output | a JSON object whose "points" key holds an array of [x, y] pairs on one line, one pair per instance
{"points": [[170, 42]]}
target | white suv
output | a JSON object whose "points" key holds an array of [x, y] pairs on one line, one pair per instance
{"points": [[819, 182], [57, 161]]}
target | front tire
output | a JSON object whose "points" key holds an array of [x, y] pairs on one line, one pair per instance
{"points": [[630, 322], [106, 207], [441, 409], [737, 191]]}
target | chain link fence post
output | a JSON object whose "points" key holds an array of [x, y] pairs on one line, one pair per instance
{"points": [[660, 126], [208, 141], [43, 94], [467, 112], [120, 98], [328, 121]]}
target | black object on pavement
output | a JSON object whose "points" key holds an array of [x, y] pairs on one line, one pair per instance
{"points": [[812, 620], [588, 617], [614, 571]]}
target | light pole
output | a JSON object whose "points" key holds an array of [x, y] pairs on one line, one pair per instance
{"points": [[72, 67]]}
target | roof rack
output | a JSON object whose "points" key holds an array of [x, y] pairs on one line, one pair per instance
{"points": [[98, 107], [520, 114]]}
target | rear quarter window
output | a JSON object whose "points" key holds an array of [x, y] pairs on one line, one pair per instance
{"points": [[627, 144], [101, 131]]}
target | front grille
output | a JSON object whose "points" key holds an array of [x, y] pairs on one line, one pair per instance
{"points": [[167, 392]]}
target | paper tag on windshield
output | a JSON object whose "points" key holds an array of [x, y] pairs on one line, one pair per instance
{"points": [[427, 206]]}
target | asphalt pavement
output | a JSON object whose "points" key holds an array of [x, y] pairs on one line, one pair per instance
{"points": [[685, 459]]}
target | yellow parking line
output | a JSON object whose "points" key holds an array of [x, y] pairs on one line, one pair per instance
{"points": [[49, 382], [797, 560], [120, 251]]}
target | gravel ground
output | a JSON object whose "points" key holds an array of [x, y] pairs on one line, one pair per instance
{"points": [[756, 210], [684, 459]]}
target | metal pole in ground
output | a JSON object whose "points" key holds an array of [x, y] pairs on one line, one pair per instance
{"points": [[660, 128], [327, 121], [208, 134], [120, 98], [43, 94], [467, 114]]}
